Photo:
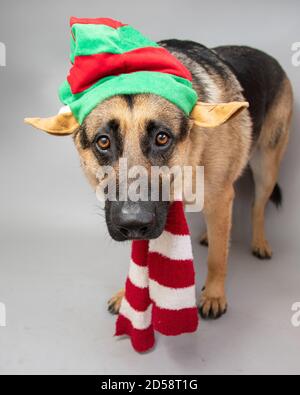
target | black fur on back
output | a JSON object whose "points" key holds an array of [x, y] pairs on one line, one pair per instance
{"points": [[200, 54], [259, 74]]}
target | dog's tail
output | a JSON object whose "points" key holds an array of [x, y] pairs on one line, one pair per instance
{"points": [[276, 196]]}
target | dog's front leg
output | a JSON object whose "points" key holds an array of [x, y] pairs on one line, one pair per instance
{"points": [[114, 303], [218, 215]]}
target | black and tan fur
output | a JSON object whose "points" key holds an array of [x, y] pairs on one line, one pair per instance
{"points": [[257, 136]]}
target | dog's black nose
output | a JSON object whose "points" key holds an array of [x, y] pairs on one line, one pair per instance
{"points": [[141, 220], [135, 222]]}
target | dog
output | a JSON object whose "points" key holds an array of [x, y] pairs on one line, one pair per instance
{"points": [[148, 131]]}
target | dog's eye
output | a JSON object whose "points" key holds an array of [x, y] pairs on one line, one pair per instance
{"points": [[103, 143], [162, 139]]}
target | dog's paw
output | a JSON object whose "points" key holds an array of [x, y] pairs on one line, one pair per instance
{"points": [[114, 303], [204, 240], [212, 307], [262, 250]]}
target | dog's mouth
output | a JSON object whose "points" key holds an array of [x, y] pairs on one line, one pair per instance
{"points": [[135, 220]]}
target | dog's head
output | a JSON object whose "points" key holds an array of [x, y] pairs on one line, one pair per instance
{"points": [[148, 131]]}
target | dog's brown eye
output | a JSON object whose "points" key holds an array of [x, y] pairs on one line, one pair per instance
{"points": [[103, 142], [162, 139]]}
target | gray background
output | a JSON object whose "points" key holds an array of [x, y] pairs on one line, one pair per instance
{"points": [[57, 264]]}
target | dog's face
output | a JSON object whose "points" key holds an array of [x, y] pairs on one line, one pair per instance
{"points": [[147, 131]]}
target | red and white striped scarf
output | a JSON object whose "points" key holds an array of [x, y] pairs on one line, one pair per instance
{"points": [[160, 288]]}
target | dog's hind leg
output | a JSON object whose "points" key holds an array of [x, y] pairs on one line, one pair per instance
{"points": [[265, 163], [265, 172]]}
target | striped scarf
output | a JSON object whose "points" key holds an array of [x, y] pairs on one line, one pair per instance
{"points": [[160, 288]]}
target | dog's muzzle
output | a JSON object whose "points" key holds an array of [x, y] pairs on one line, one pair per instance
{"points": [[136, 220]]}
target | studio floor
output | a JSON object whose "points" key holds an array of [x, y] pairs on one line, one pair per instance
{"points": [[55, 284]]}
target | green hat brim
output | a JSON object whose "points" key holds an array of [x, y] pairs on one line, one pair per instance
{"points": [[176, 90]]}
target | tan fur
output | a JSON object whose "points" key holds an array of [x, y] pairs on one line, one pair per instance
{"points": [[223, 151], [114, 303], [132, 125]]}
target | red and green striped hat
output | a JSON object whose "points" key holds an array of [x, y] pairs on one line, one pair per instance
{"points": [[110, 58]]}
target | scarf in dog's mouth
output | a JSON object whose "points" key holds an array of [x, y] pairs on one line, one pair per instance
{"points": [[160, 288]]}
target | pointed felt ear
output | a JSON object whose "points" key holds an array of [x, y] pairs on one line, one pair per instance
{"points": [[62, 124], [211, 115]]}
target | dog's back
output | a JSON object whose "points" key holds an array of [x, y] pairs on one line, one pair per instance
{"points": [[260, 76], [229, 73]]}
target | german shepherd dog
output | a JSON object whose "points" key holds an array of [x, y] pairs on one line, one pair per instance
{"points": [[131, 126]]}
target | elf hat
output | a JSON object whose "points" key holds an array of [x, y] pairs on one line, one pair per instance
{"points": [[110, 58]]}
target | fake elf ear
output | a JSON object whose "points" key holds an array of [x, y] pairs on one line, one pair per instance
{"points": [[62, 124], [210, 115]]}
